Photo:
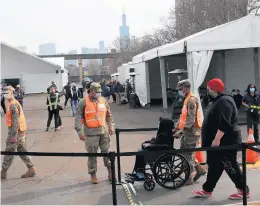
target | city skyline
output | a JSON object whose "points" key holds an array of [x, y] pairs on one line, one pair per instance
{"points": [[30, 26]]}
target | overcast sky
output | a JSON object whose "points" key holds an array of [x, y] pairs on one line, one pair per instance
{"points": [[71, 24]]}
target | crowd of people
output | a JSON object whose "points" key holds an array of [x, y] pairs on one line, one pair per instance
{"points": [[219, 127], [120, 92]]}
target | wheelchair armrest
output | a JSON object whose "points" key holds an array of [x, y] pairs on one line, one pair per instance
{"points": [[147, 142], [157, 146]]}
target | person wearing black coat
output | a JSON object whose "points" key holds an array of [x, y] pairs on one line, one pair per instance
{"points": [[251, 101], [53, 107], [220, 128], [164, 137]]}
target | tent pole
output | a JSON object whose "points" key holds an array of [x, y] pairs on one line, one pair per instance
{"points": [[223, 62], [163, 84], [257, 65]]}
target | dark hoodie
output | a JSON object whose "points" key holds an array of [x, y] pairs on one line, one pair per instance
{"points": [[222, 114]]}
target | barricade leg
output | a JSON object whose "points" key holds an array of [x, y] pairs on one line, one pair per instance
{"points": [[118, 157], [244, 147], [112, 159]]}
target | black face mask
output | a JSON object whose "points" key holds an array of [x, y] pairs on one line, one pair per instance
{"points": [[211, 98]]}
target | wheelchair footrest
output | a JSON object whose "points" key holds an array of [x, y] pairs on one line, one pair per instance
{"points": [[133, 177]]}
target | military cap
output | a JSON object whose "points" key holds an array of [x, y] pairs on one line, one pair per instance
{"points": [[8, 89], [95, 87], [183, 83]]}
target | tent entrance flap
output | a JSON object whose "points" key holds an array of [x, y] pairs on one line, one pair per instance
{"points": [[198, 65]]}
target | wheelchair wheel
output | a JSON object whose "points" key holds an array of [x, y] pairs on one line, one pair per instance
{"points": [[171, 171], [149, 185]]}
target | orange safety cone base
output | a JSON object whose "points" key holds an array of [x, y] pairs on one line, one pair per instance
{"points": [[253, 166], [251, 156]]}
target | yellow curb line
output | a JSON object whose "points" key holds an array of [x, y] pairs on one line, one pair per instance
{"points": [[128, 194]]}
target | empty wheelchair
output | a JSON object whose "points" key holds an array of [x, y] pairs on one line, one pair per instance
{"points": [[169, 170]]}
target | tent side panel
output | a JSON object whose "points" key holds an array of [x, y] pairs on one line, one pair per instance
{"points": [[239, 69], [140, 83], [155, 79]]}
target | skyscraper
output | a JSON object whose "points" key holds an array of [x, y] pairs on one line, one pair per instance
{"points": [[101, 47], [124, 34], [124, 29], [46, 49]]}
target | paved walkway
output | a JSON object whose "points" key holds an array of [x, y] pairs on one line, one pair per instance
{"points": [[64, 180]]}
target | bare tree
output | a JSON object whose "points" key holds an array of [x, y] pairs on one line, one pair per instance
{"points": [[93, 67], [254, 7], [191, 16]]}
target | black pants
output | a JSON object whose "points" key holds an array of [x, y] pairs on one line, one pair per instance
{"points": [[252, 123], [114, 97], [57, 120], [139, 163], [67, 97], [60, 122], [3, 104], [217, 163]]}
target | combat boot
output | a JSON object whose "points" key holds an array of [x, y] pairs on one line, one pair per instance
{"points": [[31, 172], [190, 181], [200, 172], [3, 174], [94, 179]]}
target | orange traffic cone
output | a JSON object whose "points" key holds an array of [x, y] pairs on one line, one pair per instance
{"points": [[251, 156], [199, 155]]}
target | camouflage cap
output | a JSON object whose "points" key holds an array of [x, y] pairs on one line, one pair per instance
{"points": [[183, 83], [8, 89], [95, 87]]}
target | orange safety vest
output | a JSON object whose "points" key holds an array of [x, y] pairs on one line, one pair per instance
{"points": [[184, 113], [22, 121], [95, 113]]}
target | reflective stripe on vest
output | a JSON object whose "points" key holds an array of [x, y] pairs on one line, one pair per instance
{"points": [[254, 107], [184, 114], [95, 113], [22, 121], [55, 104]]}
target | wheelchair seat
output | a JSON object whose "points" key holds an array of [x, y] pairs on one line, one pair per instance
{"points": [[163, 168]]}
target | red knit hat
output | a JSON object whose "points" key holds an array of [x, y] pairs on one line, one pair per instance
{"points": [[217, 85]]}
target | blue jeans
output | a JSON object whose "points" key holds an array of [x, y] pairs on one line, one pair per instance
{"points": [[74, 105]]}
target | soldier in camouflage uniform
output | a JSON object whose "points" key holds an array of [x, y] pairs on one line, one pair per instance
{"points": [[16, 135], [95, 136], [190, 134]]}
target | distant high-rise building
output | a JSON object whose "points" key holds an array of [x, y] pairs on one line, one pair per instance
{"points": [[47, 49], [124, 33], [22, 48], [101, 47], [124, 29], [72, 62]]}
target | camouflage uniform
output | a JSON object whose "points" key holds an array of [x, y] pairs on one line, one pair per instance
{"points": [[191, 134], [95, 137], [20, 145]]}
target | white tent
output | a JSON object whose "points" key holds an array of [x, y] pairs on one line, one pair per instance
{"points": [[199, 48], [34, 74]]}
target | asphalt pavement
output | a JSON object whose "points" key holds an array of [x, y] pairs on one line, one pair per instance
{"points": [[64, 180]]}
